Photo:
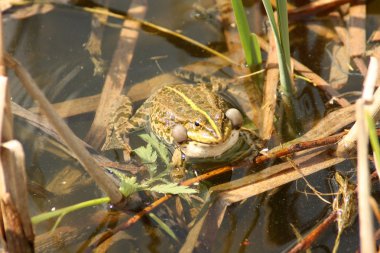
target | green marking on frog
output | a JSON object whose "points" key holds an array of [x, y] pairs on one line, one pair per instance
{"points": [[196, 108]]}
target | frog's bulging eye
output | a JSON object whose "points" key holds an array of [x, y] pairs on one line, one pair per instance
{"points": [[235, 116], [179, 133], [196, 123]]}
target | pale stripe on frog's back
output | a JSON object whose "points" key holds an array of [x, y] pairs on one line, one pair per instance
{"points": [[200, 101], [178, 104], [212, 106], [184, 104]]}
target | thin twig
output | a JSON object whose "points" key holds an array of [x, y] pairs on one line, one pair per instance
{"points": [[311, 237], [105, 183], [43, 125], [301, 146], [315, 7]]}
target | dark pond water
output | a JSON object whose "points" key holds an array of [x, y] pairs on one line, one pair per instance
{"points": [[51, 46]]}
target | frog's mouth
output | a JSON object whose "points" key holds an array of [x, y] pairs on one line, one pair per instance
{"points": [[194, 149]]}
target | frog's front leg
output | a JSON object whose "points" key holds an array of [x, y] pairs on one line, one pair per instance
{"points": [[122, 123], [177, 164], [121, 112]]}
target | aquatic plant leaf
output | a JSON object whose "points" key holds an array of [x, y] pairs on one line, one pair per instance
{"points": [[117, 173], [172, 188], [149, 157], [129, 186], [158, 146], [147, 154]]}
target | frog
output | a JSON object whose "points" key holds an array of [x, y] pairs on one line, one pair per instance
{"points": [[191, 119]]}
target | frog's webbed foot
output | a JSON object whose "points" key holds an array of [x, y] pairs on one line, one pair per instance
{"points": [[252, 139], [116, 141], [113, 140]]}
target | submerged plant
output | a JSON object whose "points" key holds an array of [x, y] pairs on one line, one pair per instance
{"points": [[129, 184]]}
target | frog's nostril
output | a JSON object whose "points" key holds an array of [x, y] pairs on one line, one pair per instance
{"points": [[235, 116]]}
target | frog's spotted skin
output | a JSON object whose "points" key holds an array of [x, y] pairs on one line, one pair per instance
{"points": [[199, 110], [121, 122]]}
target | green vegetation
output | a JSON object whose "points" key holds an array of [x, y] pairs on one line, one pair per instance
{"points": [[281, 36], [373, 137], [248, 40], [156, 182]]}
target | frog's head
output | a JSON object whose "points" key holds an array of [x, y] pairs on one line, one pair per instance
{"points": [[218, 131]]}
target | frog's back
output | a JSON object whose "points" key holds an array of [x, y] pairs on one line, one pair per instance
{"points": [[182, 104]]}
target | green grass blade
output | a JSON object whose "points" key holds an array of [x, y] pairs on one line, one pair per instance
{"points": [[252, 55], [373, 136], [172, 188], [48, 215], [285, 80], [282, 13], [256, 50]]}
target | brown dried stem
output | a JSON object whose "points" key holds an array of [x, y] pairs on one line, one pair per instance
{"points": [[16, 233], [2, 66], [367, 242], [15, 218], [117, 74], [313, 77], [357, 35], [270, 91], [66, 134], [311, 237], [211, 174], [315, 7], [348, 144]]}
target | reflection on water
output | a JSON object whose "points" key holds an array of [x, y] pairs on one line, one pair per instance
{"points": [[51, 46]]}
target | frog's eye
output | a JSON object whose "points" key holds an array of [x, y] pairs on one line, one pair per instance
{"points": [[179, 133], [196, 123], [235, 116]]}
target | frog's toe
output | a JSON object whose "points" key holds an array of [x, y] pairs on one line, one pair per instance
{"points": [[108, 145], [178, 171], [113, 142], [177, 174]]}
